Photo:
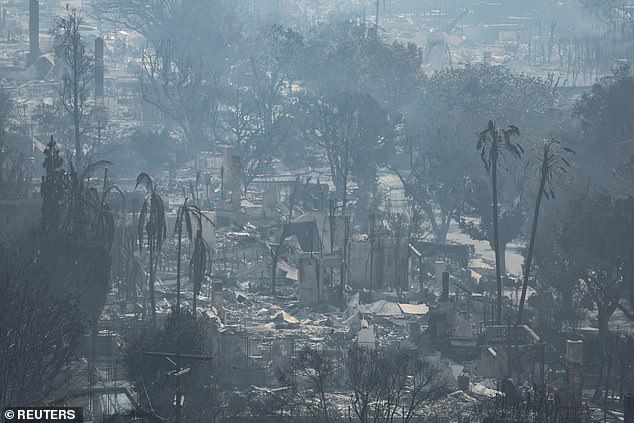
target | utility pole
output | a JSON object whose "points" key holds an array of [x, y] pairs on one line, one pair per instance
{"points": [[177, 372]]}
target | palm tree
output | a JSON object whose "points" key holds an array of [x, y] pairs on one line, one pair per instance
{"points": [[494, 144], [151, 223], [189, 213], [551, 165]]}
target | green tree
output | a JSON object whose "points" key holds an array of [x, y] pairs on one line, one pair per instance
{"points": [[153, 226], [437, 169], [53, 280], [350, 56], [77, 229], [76, 235], [605, 148], [591, 246], [493, 144], [606, 245]]}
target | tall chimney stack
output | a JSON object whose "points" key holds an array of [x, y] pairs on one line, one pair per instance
{"points": [[227, 163], [629, 407], [236, 177], [34, 31], [574, 365], [445, 287], [99, 69]]}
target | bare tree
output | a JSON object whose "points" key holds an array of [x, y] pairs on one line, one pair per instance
{"points": [[186, 64], [612, 12], [41, 328], [148, 18], [255, 135], [355, 133], [174, 83], [77, 74], [155, 376], [390, 386], [15, 174], [259, 108], [541, 406], [15, 169], [312, 380], [436, 180], [7, 108], [398, 227], [620, 349]]}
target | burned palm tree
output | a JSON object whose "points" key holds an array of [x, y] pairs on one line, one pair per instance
{"points": [[151, 224], [551, 165], [189, 214], [494, 144], [103, 216]]}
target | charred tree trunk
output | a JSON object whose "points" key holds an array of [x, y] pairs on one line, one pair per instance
{"points": [[178, 269], [274, 269], [531, 247], [603, 317], [151, 288], [496, 239]]}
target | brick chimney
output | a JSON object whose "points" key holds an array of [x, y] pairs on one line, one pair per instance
{"points": [[236, 177], [99, 70], [445, 287]]}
